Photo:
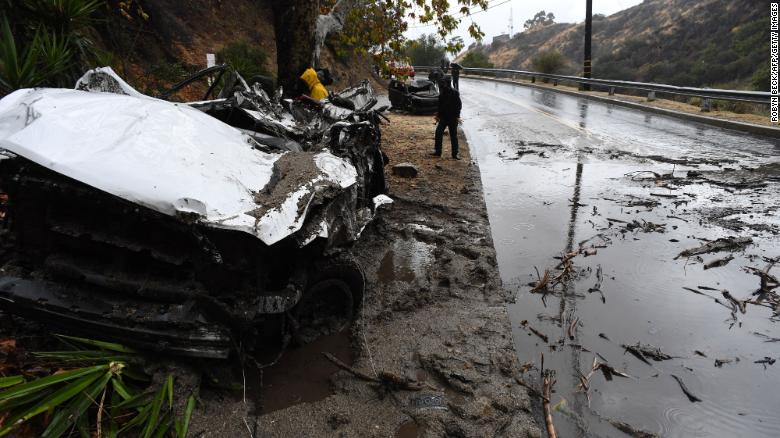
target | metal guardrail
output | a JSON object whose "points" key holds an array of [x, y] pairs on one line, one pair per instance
{"points": [[705, 94]]}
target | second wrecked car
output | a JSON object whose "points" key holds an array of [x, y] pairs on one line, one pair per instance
{"points": [[175, 226]]}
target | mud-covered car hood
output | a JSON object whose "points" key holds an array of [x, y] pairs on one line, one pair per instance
{"points": [[168, 157]]}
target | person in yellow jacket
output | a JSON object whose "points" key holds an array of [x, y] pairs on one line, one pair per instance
{"points": [[317, 91]]}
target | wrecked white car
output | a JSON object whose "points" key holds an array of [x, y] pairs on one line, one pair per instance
{"points": [[177, 226]]}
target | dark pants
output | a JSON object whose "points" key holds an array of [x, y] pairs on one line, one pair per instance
{"points": [[455, 82], [452, 124]]}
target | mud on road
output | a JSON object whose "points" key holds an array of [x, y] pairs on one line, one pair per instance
{"points": [[659, 241], [434, 314]]}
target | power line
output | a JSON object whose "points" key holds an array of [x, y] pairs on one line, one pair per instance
{"points": [[463, 15]]}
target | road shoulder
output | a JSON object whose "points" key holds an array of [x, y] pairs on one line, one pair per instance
{"points": [[434, 312]]}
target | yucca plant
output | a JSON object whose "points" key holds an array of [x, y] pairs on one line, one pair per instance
{"points": [[64, 16], [45, 56], [47, 42], [100, 387]]}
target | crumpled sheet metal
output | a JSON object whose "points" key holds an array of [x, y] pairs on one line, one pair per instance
{"points": [[166, 156]]}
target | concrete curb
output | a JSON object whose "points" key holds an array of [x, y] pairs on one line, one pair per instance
{"points": [[752, 128]]}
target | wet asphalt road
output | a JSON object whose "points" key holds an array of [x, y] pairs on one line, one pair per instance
{"points": [[554, 172]]}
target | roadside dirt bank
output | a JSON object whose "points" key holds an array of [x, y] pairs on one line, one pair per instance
{"points": [[434, 312]]}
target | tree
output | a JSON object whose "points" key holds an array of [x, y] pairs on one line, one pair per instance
{"points": [[425, 50], [294, 22], [548, 62], [540, 19], [476, 59], [367, 26]]}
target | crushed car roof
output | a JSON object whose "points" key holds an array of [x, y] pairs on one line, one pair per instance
{"points": [[166, 156]]}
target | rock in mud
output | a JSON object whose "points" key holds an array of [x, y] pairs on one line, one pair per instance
{"points": [[405, 170]]}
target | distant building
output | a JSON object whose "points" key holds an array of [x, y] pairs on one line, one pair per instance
{"points": [[503, 38]]}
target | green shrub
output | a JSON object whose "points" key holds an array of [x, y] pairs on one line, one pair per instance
{"points": [[476, 59], [548, 62], [46, 43], [760, 79], [249, 60], [43, 58]]}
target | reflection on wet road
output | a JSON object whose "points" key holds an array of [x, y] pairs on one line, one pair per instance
{"points": [[626, 192]]}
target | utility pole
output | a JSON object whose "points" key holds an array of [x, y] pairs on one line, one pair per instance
{"points": [[588, 31]]}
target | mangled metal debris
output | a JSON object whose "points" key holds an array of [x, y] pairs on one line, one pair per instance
{"points": [[175, 226]]}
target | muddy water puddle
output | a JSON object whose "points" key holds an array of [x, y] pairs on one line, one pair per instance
{"points": [[302, 374], [594, 193], [410, 429], [407, 259]]}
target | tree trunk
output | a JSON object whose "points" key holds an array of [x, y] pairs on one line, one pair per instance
{"points": [[295, 22]]}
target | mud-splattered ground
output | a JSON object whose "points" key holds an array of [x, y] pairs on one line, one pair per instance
{"points": [[434, 312]]}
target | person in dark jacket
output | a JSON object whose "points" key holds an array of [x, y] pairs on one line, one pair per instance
{"points": [[444, 64], [447, 117], [455, 68]]}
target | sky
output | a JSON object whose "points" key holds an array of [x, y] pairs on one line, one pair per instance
{"points": [[495, 20]]}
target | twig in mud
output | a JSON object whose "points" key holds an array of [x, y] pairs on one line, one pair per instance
{"points": [[541, 335], [739, 303], [638, 354], [566, 267], [706, 295], [722, 244], [584, 386], [766, 361], [676, 217], [248, 429], [597, 286], [548, 381], [572, 328], [533, 391], [652, 352], [630, 430], [543, 281], [384, 378], [768, 282], [609, 371], [718, 262], [767, 338], [663, 195], [685, 390], [720, 362]]}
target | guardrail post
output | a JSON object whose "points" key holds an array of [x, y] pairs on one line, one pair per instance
{"points": [[611, 91], [651, 96], [555, 83], [706, 105], [533, 79]]}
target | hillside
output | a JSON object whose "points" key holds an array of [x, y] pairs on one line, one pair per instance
{"points": [[153, 44], [681, 42]]}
